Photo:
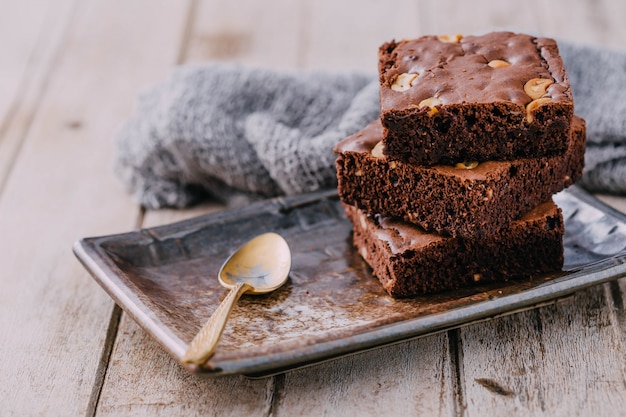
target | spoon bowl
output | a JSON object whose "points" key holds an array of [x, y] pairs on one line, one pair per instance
{"points": [[260, 266], [263, 263]]}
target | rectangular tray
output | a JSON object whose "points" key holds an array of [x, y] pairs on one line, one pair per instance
{"points": [[165, 278]]}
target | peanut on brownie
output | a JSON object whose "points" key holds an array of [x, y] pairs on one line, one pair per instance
{"points": [[409, 262], [466, 199], [450, 99]]}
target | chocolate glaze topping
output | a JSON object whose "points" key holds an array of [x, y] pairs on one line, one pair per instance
{"points": [[447, 199], [366, 139], [402, 236], [459, 72]]}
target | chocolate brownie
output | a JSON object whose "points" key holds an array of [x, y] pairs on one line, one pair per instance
{"points": [[452, 200], [408, 261], [477, 98]]}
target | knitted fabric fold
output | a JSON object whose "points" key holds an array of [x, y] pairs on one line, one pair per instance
{"points": [[239, 133]]}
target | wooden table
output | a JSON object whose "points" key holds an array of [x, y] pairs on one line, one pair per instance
{"points": [[70, 75]]}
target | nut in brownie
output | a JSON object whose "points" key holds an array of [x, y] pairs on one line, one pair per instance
{"points": [[466, 199], [409, 262], [498, 96]]}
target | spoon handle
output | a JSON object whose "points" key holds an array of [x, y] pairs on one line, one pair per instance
{"points": [[203, 344]]}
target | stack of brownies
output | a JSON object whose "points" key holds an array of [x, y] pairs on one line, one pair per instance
{"points": [[452, 185]]}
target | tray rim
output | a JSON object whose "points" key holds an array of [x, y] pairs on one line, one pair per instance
{"points": [[104, 270]]}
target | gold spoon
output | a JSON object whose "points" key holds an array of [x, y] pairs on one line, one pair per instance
{"points": [[260, 266]]}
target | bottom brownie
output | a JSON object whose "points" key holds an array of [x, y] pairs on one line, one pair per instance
{"points": [[409, 261]]}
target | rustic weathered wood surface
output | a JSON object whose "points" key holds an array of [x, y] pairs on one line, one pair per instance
{"points": [[69, 76]]}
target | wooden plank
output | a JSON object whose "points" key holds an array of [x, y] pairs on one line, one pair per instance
{"points": [[559, 360], [247, 32], [21, 26], [171, 389], [409, 379], [54, 318], [565, 359], [586, 21], [340, 35], [428, 364], [184, 394], [143, 380], [590, 22], [251, 33], [478, 17], [412, 378], [30, 34]]}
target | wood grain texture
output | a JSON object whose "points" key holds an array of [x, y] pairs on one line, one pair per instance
{"points": [[69, 76], [560, 360], [143, 380], [586, 22], [31, 34], [409, 379], [21, 26], [54, 319], [336, 388], [339, 36], [245, 32], [477, 17], [309, 379], [563, 359], [216, 31], [590, 22]]}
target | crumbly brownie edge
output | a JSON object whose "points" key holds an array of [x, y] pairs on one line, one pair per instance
{"points": [[464, 204], [524, 251], [476, 131]]}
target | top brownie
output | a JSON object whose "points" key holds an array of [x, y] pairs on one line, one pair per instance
{"points": [[498, 96]]}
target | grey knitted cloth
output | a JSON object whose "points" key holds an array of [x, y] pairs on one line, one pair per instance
{"points": [[238, 133]]}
